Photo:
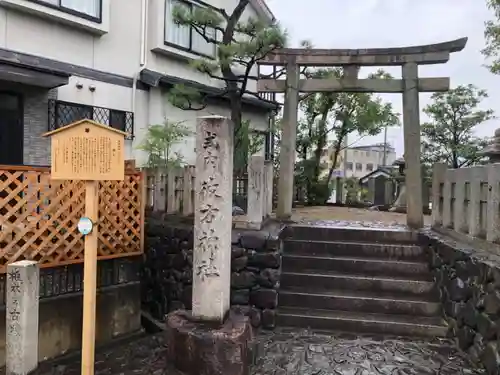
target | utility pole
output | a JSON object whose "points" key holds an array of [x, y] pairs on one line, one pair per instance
{"points": [[384, 162]]}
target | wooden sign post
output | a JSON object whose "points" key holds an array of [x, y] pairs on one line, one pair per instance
{"points": [[86, 150]]}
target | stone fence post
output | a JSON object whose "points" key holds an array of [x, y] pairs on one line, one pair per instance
{"points": [[438, 175], [269, 186], [22, 293], [255, 204]]}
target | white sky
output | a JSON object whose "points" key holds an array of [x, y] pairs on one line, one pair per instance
{"points": [[399, 23]]}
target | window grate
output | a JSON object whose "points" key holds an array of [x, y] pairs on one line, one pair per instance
{"points": [[64, 113]]}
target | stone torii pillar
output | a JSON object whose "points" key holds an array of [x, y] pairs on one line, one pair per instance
{"points": [[288, 142], [411, 131]]}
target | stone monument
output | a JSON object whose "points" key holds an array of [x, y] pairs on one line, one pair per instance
{"points": [[211, 339]]}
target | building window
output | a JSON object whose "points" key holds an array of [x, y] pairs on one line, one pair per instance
{"points": [[359, 167], [369, 167], [64, 113], [349, 166], [90, 9], [186, 37]]}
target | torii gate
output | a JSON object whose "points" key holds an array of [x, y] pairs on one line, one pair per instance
{"points": [[351, 59]]}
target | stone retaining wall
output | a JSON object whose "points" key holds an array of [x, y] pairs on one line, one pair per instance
{"points": [[468, 282], [167, 274]]}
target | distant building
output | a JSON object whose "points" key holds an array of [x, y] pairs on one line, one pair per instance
{"points": [[360, 160]]}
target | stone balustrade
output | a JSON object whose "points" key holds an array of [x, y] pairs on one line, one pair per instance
{"points": [[466, 201]]}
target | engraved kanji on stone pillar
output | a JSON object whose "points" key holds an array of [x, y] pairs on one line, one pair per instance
{"points": [[213, 218], [22, 293], [255, 205]]}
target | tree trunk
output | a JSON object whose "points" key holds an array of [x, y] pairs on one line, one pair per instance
{"points": [[240, 145], [320, 146], [336, 154]]}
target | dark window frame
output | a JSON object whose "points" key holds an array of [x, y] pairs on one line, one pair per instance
{"points": [[360, 165], [268, 147], [98, 114], [189, 49], [20, 108], [369, 167], [70, 11]]}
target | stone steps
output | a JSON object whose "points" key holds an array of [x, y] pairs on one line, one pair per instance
{"points": [[348, 300], [347, 234], [359, 249], [335, 280], [358, 280], [353, 321], [365, 266]]}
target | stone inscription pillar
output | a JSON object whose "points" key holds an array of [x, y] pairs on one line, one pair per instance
{"points": [[22, 292], [411, 123], [213, 218], [287, 147], [255, 205]]}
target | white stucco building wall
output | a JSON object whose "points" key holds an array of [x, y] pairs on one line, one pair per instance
{"points": [[104, 56]]}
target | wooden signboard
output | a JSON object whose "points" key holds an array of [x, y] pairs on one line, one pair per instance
{"points": [[86, 150]]}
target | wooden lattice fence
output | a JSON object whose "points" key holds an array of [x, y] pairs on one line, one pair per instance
{"points": [[38, 217]]}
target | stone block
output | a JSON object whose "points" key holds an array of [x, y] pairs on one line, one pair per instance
{"points": [[264, 260], [264, 298], [240, 297], [269, 278], [243, 280], [196, 347], [238, 264], [269, 318], [254, 240]]}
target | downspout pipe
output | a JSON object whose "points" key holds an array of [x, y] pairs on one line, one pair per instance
{"points": [[143, 52]]}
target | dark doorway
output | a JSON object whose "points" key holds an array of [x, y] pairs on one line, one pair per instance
{"points": [[379, 195], [11, 129]]}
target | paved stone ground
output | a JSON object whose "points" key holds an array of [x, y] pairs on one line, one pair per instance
{"points": [[288, 352], [359, 215], [291, 352]]}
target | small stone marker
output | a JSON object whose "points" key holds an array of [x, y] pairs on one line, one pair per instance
{"points": [[86, 150], [22, 292], [213, 218]]}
